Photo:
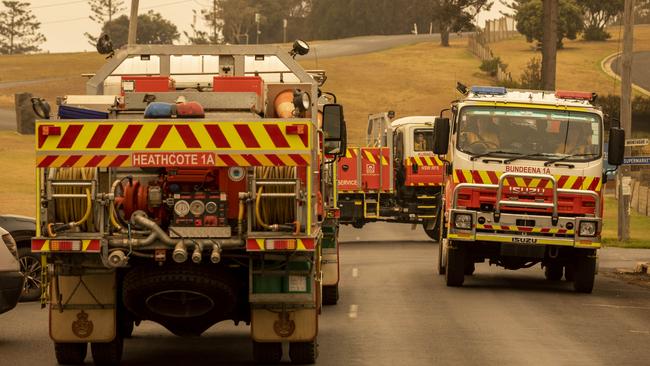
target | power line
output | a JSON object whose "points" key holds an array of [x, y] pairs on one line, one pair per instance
{"points": [[81, 18], [58, 4]]}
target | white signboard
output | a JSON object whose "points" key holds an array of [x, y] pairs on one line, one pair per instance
{"points": [[636, 142]]}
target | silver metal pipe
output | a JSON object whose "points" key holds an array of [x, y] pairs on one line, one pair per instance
{"points": [[275, 183], [278, 194], [180, 253], [69, 195], [72, 183]]}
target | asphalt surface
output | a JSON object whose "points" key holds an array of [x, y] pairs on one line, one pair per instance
{"points": [[395, 310], [366, 44], [640, 69]]}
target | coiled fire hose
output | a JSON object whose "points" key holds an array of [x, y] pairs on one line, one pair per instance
{"points": [[275, 213], [73, 211]]}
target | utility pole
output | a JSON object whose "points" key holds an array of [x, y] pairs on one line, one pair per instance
{"points": [[549, 44], [258, 18], [624, 190], [214, 21], [110, 10], [284, 30], [133, 22]]}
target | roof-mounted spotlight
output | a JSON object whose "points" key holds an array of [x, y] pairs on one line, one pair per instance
{"points": [[462, 88], [301, 100], [105, 45], [300, 47]]}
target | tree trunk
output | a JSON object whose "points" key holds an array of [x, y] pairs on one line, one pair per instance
{"points": [[444, 37]]}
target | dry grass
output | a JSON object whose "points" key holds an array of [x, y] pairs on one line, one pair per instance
{"points": [[17, 186], [46, 66], [46, 89], [412, 80], [578, 64]]}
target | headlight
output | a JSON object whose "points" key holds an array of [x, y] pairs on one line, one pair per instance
{"points": [[181, 208], [463, 221], [587, 228]]}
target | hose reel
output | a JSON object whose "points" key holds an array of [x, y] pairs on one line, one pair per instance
{"points": [[276, 198]]}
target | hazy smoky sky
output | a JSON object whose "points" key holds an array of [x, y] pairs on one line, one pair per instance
{"points": [[64, 22]]}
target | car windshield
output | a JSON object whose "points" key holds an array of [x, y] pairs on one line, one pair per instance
{"points": [[536, 134]]}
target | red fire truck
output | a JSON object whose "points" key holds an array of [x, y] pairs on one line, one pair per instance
{"points": [[395, 177], [525, 182]]}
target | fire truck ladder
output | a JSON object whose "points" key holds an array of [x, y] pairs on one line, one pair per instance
{"points": [[427, 206], [371, 206]]}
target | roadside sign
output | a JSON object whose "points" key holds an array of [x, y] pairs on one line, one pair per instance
{"points": [[636, 160], [636, 142]]}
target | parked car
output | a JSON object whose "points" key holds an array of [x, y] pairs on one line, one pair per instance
{"points": [[22, 229], [11, 280]]}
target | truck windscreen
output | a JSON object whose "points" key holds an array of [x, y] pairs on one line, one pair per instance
{"points": [[540, 133]]}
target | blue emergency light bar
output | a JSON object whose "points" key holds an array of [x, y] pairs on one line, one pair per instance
{"points": [[489, 90]]}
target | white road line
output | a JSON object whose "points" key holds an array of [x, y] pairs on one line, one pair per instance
{"points": [[618, 306], [355, 272], [640, 331], [354, 309]]}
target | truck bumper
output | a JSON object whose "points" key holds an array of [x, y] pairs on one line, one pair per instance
{"points": [[524, 229], [11, 286]]}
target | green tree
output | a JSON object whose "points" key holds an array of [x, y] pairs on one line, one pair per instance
{"points": [[456, 15], [102, 11], [152, 29], [598, 14], [19, 29], [528, 15]]}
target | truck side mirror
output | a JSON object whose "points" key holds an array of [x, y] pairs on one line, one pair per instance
{"points": [[616, 148], [441, 136], [334, 131]]}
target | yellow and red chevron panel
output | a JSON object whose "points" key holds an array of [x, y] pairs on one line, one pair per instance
{"points": [[347, 172], [197, 143], [423, 171], [66, 245], [280, 244], [526, 229], [563, 181], [375, 168]]}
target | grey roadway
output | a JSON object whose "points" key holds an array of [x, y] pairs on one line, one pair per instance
{"points": [[395, 311], [640, 69], [319, 50]]}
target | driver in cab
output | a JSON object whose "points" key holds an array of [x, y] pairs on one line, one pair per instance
{"points": [[480, 131]]}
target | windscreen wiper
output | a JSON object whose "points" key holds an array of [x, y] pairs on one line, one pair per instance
{"points": [[553, 161], [526, 157], [491, 153]]}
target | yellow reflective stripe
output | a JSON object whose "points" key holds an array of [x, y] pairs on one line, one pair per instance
{"points": [[484, 176], [301, 245], [260, 244]]}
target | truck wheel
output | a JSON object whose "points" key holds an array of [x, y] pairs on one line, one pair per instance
{"points": [[303, 353], [70, 353], [330, 295], [441, 257], [455, 274], [585, 274], [553, 271], [267, 353], [106, 354], [358, 224], [470, 267], [30, 267]]}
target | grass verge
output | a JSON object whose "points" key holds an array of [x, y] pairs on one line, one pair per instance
{"points": [[639, 227]]}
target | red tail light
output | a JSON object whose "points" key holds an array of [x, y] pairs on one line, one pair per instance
{"points": [[280, 244]]}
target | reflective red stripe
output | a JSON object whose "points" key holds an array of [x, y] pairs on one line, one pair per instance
{"points": [[247, 136], [94, 246], [95, 161], [562, 181], [129, 136], [251, 159], [188, 136], [99, 136], [217, 136], [118, 161], [298, 159], [37, 245], [275, 160], [594, 184], [159, 136], [69, 136], [578, 183], [461, 176], [71, 161], [228, 160], [477, 177], [276, 135], [47, 161]]}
